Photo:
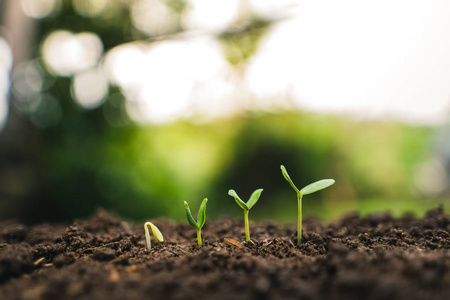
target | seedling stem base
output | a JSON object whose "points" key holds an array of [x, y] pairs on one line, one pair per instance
{"points": [[299, 224], [199, 237], [247, 230]]}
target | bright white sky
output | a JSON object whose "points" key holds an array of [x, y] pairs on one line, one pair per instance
{"points": [[369, 59]]}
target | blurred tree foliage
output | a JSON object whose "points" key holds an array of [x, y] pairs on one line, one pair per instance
{"points": [[81, 161], [148, 172]]}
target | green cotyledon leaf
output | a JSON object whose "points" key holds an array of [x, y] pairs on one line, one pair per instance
{"points": [[254, 198], [317, 186], [201, 219], [286, 176], [189, 217], [239, 201]]}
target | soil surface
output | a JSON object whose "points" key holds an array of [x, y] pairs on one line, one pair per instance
{"points": [[105, 257]]}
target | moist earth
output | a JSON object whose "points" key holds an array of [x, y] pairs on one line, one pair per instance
{"points": [[105, 257]]}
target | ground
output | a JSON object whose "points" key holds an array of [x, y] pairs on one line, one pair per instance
{"points": [[105, 257]]}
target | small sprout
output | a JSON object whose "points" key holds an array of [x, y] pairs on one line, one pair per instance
{"points": [[201, 219], [156, 233], [309, 189], [246, 207]]}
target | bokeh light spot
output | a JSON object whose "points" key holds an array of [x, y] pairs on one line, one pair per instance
{"points": [[272, 8], [165, 80], [6, 55], [89, 88], [4, 87], [27, 82], [123, 65], [211, 15], [153, 17], [89, 8], [38, 9], [65, 53], [431, 178], [6, 61]]}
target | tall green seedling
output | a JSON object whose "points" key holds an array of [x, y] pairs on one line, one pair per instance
{"points": [[201, 219], [246, 207], [309, 189]]}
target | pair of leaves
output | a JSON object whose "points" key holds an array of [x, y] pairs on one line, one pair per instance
{"points": [[156, 233], [201, 218], [310, 188], [252, 201]]}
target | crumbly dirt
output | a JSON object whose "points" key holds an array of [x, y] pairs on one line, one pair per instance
{"points": [[105, 257]]}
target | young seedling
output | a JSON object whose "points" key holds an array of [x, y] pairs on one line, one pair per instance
{"points": [[246, 207], [201, 218], [156, 233], [309, 189]]}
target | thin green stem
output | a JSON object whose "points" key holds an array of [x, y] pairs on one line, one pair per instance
{"points": [[299, 225], [247, 230], [199, 236]]}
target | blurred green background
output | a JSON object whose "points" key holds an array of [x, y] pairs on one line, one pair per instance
{"points": [[61, 157]]}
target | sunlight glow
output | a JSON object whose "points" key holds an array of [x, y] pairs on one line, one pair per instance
{"points": [[153, 17], [66, 53], [160, 80], [360, 58], [431, 178], [6, 61], [211, 15], [89, 8], [6, 55], [123, 64], [4, 87], [90, 88], [363, 59], [39, 9], [272, 8]]}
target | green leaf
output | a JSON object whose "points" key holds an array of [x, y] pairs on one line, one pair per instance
{"points": [[201, 219], [254, 198], [156, 233], [286, 176], [241, 203], [189, 216], [317, 186]]}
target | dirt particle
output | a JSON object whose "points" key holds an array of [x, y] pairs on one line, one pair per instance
{"points": [[232, 242], [63, 259], [114, 276], [414, 231], [337, 247], [14, 233], [103, 254], [39, 262], [262, 286], [15, 260]]}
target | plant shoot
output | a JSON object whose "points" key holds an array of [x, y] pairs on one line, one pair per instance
{"points": [[309, 189], [246, 207], [201, 219], [156, 233]]}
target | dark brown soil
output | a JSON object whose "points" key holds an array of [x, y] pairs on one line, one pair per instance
{"points": [[376, 257]]}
